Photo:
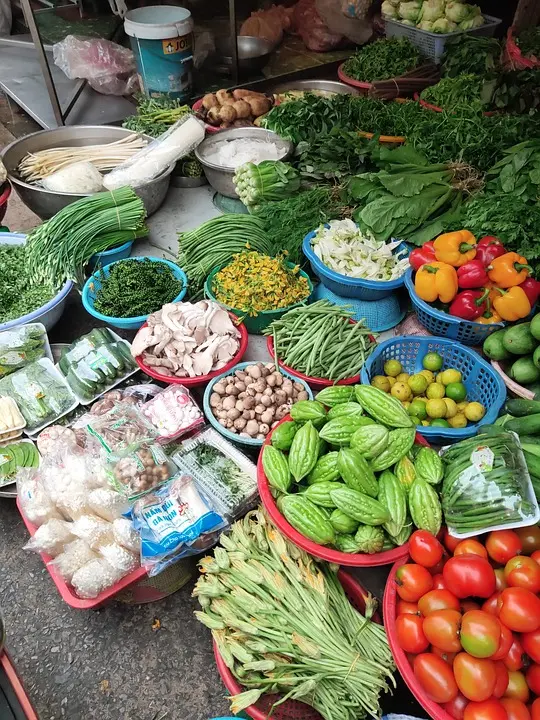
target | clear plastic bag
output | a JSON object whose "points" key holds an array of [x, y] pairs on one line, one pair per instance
{"points": [[55, 437], [22, 345], [139, 468], [107, 504], [126, 536], [313, 30], [173, 522], [487, 485], [93, 530], [35, 502], [94, 577], [109, 68], [50, 537], [173, 412], [119, 428], [119, 558], [76, 554], [136, 395]]}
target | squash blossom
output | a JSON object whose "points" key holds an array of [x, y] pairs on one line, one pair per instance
{"points": [[254, 282]]}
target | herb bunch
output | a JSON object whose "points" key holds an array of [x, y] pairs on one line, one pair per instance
{"points": [[332, 157], [155, 115], [472, 54], [529, 42], [467, 91], [385, 58]]}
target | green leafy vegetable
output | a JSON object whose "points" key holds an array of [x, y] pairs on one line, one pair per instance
{"points": [[334, 156], [529, 41], [155, 115], [470, 91], [470, 54], [268, 181], [20, 346], [518, 91], [385, 58], [518, 172], [18, 296]]}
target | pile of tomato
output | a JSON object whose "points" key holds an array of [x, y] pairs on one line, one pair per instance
{"points": [[468, 618]]}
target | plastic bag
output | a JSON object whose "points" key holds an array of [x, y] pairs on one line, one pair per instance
{"points": [[51, 537], [487, 485], [135, 395], [173, 522], [109, 68], [119, 428], [139, 468], [512, 58], [35, 502], [76, 554], [107, 504], [94, 577], [177, 142], [173, 412], [312, 28], [125, 535], [55, 437], [21, 345], [93, 530], [119, 558], [349, 20]]}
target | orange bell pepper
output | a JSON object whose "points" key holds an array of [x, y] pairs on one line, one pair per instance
{"points": [[512, 304], [436, 281], [509, 270], [455, 248], [489, 318]]}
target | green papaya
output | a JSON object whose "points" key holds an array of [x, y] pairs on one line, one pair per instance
{"points": [[519, 340], [493, 346]]}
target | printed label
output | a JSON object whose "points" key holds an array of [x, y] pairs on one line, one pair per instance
{"points": [[482, 458]]}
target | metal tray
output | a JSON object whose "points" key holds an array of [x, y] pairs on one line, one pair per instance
{"points": [[328, 86]]}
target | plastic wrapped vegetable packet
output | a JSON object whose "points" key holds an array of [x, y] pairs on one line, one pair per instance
{"points": [[173, 413], [173, 522], [21, 346], [487, 485]]}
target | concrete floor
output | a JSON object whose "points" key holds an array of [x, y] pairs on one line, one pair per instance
{"points": [[112, 664]]}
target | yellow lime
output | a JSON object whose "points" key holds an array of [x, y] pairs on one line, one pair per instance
{"points": [[392, 368], [418, 384], [462, 405], [436, 408], [426, 423], [458, 421], [432, 361], [438, 378], [381, 383], [450, 376], [430, 377], [451, 408], [475, 411], [435, 391], [403, 377], [406, 404], [391, 380], [418, 409], [401, 391], [456, 391]]}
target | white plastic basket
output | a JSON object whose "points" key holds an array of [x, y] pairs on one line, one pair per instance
{"points": [[432, 44]]}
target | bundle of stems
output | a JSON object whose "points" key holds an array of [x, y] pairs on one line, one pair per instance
{"points": [[59, 248], [283, 625], [407, 84], [38, 165]]}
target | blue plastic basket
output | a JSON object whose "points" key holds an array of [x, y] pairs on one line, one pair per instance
{"points": [[444, 325], [93, 284], [233, 437], [378, 315], [348, 287], [120, 252], [483, 384]]}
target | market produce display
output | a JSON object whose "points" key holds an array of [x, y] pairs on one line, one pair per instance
{"points": [[300, 616], [321, 341], [383, 59], [238, 108], [467, 89], [516, 347], [231, 154], [265, 181], [333, 156], [437, 16], [21, 346], [17, 455]]}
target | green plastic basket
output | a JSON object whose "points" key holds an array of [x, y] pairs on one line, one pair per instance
{"points": [[255, 324]]}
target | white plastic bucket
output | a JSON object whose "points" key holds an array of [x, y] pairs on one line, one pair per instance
{"points": [[162, 41]]}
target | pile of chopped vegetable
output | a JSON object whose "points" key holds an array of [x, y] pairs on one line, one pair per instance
{"points": [[131, 288], [342, 247], [18, 296], [385, 58], [466, 90], [254, 282]]}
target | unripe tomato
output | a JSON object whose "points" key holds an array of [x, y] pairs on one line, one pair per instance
{"points": [[410, 634], [470, 546], [520, 610], [505, 643], [523, 572], [515, 658], [475, 677], [501, 683], [437, 600], [425, 549], [441, 628], [531, 645], [491, 709], [493, 604], [530, 538], [412, 582], [515, 709], [480, 634], [469, 575], [406, 608], [503, 545], [456, 707], [533, 678], [435, 677], [517, 686]]}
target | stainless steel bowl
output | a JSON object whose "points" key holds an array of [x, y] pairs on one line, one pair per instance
{"points": [[253, 52], [221, 178], [323, 87], [46, 203]]}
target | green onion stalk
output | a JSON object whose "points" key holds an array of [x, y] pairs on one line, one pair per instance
{"points": [[269, 181], [283, 624]]}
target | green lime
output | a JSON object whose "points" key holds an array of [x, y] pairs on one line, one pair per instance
{"points": [[392, 368], [440, 422], [418, 384], [432, 361], [418, 409], [456, 391]]}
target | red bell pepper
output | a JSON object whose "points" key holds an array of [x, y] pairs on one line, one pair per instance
{"points": [[531, 288], [489, 248], [422, 255], [472, 275], [469, 304]]}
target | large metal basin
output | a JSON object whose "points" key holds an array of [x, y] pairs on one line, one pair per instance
{"points": [[46, 203]]}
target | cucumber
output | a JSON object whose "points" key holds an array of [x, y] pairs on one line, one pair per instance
{"points": [[533, 463], [524, 371], [535, 326], [64, 365], [525, 425], [124, 350], [83, 388], [522, 408], [518, 339], [100, 336]]}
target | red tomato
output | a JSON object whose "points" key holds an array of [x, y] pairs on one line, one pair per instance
{"points": [[533, 678], [438, 582], [467, 605], [489, 710], [480, 634], [456, 707], [500, 580], [515, 709], [410, 635], [407, 608], [450, 543], [505, 643], [531, 645], [441, 628], [412, 582], [470, 547], [503, 545], [515, 659], [475, 677], [493, 604], [530, 538], [437, 568], [501, 683], [425, 549], [535, 709], [469, 575], [523, 572], [435, 677], [448, 657], [517, 686], [536, 556], [437, 600], [520, 610]]}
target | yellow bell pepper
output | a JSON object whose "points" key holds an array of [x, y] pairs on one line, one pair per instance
{"points": [[512, 304], [455, 248], [509, 270], [489, 318], [436, 281]]}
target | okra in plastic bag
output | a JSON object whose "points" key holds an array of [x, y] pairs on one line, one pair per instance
{"points": [[487, 485]]}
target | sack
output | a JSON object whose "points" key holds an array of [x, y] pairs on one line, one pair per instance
{"points": [[312, 28], [512, 58]]}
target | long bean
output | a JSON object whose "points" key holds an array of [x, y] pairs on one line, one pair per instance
{"points": [[321, 341]]}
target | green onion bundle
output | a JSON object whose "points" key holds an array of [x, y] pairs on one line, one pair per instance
{"points": [[320, 341], [60, 248], [269, 181], [216, 241], [283, 624]]}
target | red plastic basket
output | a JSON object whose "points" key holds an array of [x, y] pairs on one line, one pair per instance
{"points": [[291, 709], [17, 686], [209, 128], [433, 709], [68, 593], [351, 81], [320, 551], [203, 379], [5, 192]]}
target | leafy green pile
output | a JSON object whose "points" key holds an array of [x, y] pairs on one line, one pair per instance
{"points": [[470, 54], [135, 287], [17, 295], [518, 172], [518, 91], [529, 42], [385, 58], [334, 156], [155, 115], [469, 91]]}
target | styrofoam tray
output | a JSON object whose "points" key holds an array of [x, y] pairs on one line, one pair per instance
{"points": [[46, 344], [12, 442], [20, 426]]}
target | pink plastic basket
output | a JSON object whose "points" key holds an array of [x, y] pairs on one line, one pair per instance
{"points": [[5, 192], [68, 593], [291, 709], [365, 86]]}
